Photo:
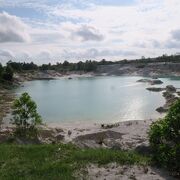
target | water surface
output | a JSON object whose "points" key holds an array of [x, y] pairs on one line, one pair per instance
{"points": [[95, 99]]}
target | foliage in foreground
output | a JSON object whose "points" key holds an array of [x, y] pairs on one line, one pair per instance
{"points": [[56, 161], [165, 139], [25, 117]]}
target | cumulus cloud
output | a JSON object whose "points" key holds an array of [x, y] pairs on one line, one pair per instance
{"points": [[12, 29], [174, 41], [145, 28], [176, 34], [95, 53], [88, 33], [6, 54]]}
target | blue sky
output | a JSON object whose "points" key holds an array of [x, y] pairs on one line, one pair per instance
{"points": [[55, 30]]}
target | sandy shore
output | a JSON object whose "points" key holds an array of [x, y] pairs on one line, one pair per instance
{"points": [[122, 135]]}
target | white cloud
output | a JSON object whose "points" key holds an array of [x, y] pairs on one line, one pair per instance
{"points": [[173, 42], [148, 27], [94, 53], [88, 33], [12, 29], [176, 34], [4, 54]]}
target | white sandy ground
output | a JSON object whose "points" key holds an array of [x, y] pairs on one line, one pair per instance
{"points": [[126, 135], [114, 171]]}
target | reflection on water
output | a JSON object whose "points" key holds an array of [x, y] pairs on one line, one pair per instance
{"points": [[96, 99]]}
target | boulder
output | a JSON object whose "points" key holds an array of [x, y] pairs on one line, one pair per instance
{"points": [[151, 81], [168, 95], [156, 81], [69, 132], [46, 133], [98, 139], [59, 137], [154, 89], [170, 88], [143, 149], [3, 138], [59, 130], [20, 141], [178, 93], [161, 109]]}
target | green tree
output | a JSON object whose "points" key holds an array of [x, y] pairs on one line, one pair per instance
{"points": [[1, 70], [165, 139], [8, 73], [25, 117]]}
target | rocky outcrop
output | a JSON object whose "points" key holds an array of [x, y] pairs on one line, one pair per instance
{"points": [[171, 89], [98, 139], [151, 81], [50, 135], [45, 136], [170, 97], [150, 69], [155, 89]]}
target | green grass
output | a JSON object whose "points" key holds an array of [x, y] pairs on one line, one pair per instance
{"points": [[53, 162]]}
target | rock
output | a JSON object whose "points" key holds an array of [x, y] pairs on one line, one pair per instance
{"points": [[178, 93], [69, 132], [59, 137], [168, 95], [59, 130], [27, 141], [46, 133], [102, 125], [151, 81], [156, 81], [109, 126], [161, 109], [111, 143], [47, 141], [143, 149], [5, 135], [170, 88], [171, 101], [3, 138], [144, 81], [98, 139], [154, 89]]}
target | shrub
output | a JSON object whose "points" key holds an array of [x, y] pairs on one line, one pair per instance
{"points": [[25, 117], [164, 139]]}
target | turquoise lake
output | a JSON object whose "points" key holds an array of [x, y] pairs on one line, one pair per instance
{"points": [[106, 99]]}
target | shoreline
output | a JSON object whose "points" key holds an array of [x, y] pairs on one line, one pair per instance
{"points": [[126, 135], [71, 131], [78, 129]]}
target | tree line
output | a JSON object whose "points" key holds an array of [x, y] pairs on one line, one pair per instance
{"points": [[6, 72]]}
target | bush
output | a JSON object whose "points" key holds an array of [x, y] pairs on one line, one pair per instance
{"points": [[25, 117], [165, 139]]}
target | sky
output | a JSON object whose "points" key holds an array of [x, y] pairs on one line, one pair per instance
{"points": [[52, 31]]}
